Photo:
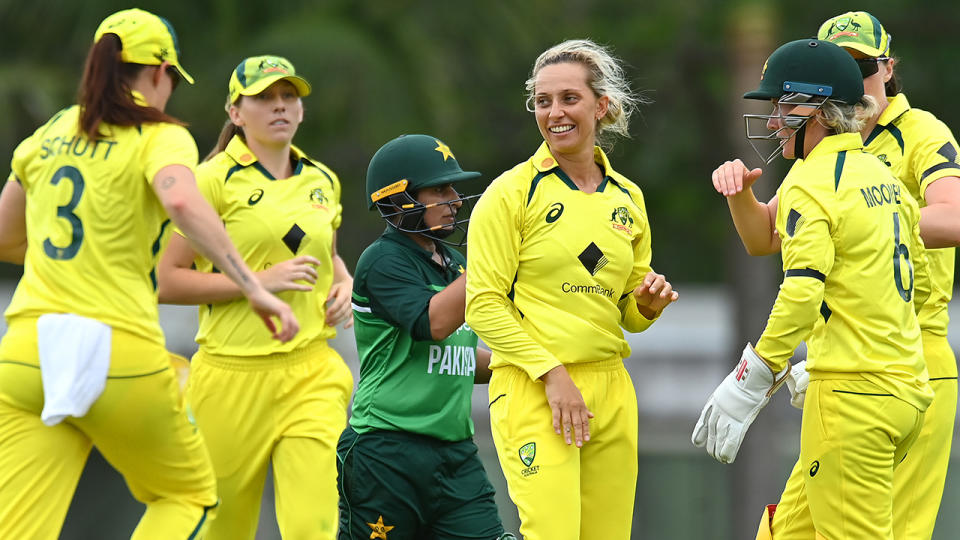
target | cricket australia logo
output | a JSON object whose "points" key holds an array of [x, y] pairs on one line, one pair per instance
{"points": [[528, 453], [844, 26], [273, 66], [621, 220], [318, 199]]}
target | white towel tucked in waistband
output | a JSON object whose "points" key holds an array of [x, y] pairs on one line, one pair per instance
{"points": [[74, 359]]}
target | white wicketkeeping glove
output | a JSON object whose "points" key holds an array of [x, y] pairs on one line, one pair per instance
{"points": [[735, 404], [797, 382]]}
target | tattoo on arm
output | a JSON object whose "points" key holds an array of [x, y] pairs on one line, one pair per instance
{"points": [[239, 269], [167, 182]]}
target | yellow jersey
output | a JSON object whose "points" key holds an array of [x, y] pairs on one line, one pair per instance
{"points": [[94, 224], [552, 269], [919, 149], [853, 259], [270, 221]]}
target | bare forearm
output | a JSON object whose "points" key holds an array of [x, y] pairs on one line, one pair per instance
{"points": [[13, 253], [209, 238], [340, 271], [940, 226], [482, 376], [197, 220], [447, 308], [754, 223], [188, 286]]}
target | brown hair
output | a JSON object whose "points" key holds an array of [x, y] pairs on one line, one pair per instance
{"points": [[893, 86], [104, 94], [227, 132]]}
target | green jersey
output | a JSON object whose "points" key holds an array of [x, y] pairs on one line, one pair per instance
{"points": [[408, 381]]}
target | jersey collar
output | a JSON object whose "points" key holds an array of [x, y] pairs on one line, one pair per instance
{"points": [[545, 163], [138, 98], [834, 144], [238, 150], [399, 237], [896, 106]]}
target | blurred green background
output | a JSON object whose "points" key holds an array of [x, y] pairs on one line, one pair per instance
{"points": [[456, 70]]}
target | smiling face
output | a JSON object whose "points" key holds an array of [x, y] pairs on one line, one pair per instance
{"points": [[781, 119], [271, 117], [566, 108]]}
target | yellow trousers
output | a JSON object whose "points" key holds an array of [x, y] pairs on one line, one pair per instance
{"points": [[853, 437], [285, 409], [564, 492], [919, 479], [138, 423]]}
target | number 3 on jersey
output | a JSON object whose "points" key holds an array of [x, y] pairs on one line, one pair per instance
{"points": [[900, 250], [66, 212]]}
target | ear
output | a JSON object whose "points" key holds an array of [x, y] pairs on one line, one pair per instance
{"points": [[889, 74], [602, 105], [159, 72], [234, 113]]}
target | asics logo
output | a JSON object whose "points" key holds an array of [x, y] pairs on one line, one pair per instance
{"points": [[556, 209]]}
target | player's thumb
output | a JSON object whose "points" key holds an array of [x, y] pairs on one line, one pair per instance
{"points": [[751, 176]]}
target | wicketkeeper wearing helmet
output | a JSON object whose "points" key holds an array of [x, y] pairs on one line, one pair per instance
{"points": [[921, 151], [855, 274], [408, 466]]}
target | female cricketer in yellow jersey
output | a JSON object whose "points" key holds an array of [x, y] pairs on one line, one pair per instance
{"points": [[560, 262], [842, 215], [258, 402], [83, 360], [922, 152]]}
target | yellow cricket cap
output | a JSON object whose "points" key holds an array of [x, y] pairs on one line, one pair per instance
{"points": [[256, 73], [145, 39], [857, 30]]}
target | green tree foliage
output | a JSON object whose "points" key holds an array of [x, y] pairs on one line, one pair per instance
{"points": [[456, 70]]}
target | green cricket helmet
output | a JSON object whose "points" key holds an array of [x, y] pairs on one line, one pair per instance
{"points": [[404, 166], [805, 72]]}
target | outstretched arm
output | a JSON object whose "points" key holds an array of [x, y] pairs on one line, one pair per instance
{"points": [[753, 219], [13, 224], [176, 188]]}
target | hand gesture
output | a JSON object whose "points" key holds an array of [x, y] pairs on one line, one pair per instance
{"points": [[654, 294], [285, 276], [569, 410], [268, 307], [339, 308], [733, 177]]}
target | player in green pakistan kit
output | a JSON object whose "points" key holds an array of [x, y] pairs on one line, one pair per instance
{"points": [[408, 465]]}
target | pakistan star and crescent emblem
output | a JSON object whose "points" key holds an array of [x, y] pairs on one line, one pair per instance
{"points": [[445, 150], [379, 529]]}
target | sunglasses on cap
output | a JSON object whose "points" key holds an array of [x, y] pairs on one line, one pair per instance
{"points": [[869, 66]]}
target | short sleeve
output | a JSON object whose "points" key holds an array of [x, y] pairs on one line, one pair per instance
{"points": [[934, 155], [400, 295], [168, 144]]}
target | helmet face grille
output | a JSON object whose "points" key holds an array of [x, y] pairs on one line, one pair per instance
{"points": [[756, 124], [405, 213]]}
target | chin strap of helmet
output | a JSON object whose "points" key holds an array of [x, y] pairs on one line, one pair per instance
{"points": [[798, 141]]}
